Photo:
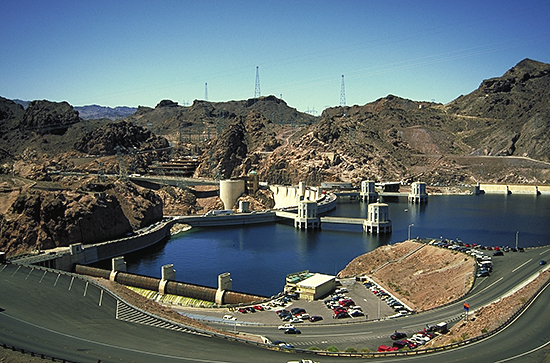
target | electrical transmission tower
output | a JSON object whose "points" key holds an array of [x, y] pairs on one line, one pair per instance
{"points": [[206, 91], [343, 93], [257, 92]]}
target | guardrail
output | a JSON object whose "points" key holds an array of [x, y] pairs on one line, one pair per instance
{"points": [[287, 349]]}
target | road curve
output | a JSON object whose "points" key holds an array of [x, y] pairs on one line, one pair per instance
{"points": [[66, 317]]}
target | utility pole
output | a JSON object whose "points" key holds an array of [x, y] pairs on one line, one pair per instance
{"points": [[257, 92], [206, 91]]}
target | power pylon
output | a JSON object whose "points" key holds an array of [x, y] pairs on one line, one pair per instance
{"points": [[257, 92], [343, 93]]}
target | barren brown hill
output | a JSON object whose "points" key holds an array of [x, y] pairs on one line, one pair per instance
{"points": [[420, 275]]}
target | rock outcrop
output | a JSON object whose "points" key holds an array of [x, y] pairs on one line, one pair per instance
{"points": [[49, 117], [123, 136], [40, 219]]}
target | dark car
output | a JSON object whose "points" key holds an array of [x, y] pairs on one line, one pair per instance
{"points": [[341, 315], [398, 335], [292, 331], [542, 262], [297, 311], [315, 318], [498, 253], [401, 343]]}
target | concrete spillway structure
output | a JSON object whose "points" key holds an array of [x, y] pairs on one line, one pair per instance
{"points": [[512, 189], [220, 295]]}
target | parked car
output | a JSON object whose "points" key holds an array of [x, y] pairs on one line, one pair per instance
{"points": [[398, 335], [242, 310], [315, 318], [296, 320], [229, 317], [258, 307], [385, 348], [297, 311], [401, 344], [498, 253], [292, 331], [356, 313], [341, 315]]}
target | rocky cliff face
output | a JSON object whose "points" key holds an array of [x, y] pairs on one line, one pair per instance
{"points": [[49, 117], [123, 136], [235, 152], [40, 219]]}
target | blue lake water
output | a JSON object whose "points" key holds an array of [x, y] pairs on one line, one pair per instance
{"points": [[259, 257]]}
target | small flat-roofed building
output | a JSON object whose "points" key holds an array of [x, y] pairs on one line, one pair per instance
{"points": [[316, 286]]}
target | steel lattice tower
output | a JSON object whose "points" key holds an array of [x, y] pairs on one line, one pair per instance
{"points": [[257, 92], [343, 93], [206, 91]]}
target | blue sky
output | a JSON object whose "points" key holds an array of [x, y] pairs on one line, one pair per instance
{"points": [[130, 53]]}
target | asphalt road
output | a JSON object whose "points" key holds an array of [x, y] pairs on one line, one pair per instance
{"points": [[67, 318]]}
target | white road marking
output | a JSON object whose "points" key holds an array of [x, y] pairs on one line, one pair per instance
{"points": [[523, 264]]}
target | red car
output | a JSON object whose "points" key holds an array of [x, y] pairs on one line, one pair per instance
{"points": [[258, 307], [385, 348]]}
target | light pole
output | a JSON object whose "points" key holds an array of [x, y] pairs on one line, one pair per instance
{"points": [[517, 234], [410, 225]]}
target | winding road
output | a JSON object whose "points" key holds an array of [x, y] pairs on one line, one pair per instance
{"points": [[66, 317]]}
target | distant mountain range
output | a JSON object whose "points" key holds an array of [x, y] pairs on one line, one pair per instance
{"points": [[96, 112]]}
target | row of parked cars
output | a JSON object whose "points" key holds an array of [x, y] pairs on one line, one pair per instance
{"points": [[294, 316], [383, 295], [400, 339], [343, 306], [483, 260]]}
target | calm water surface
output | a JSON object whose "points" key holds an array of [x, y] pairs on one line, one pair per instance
{"points": [[259, 257]]}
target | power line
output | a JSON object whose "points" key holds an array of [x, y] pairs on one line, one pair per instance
{"points": [[257, 92], [343, 93]]}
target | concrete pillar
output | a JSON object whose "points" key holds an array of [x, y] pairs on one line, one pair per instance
{"points": [[168, 272], [224, 281], [368, 191], [118, 264], [308, 216], [244, 206], [75, 248]]}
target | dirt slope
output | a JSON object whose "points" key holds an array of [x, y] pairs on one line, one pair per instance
{"points": [[422, 276]]}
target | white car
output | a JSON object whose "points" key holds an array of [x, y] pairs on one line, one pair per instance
{"points": [[286, 326], [296, 320], [229, 317]]}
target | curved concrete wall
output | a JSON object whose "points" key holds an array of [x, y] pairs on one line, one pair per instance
{"points": [[289, 196]]}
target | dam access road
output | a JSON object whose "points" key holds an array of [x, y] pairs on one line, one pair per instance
{"points": [[63, 316]]}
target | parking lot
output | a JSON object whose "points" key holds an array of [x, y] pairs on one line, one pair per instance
{"points": [[373, 307]]}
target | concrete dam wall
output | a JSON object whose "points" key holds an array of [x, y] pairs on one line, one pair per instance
{"points": [[514, 189]]}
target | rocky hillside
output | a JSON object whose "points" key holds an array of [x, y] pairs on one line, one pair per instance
{"points": [[397, 139], [89, 212]]}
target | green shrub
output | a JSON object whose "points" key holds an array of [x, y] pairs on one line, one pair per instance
{"points": [[314, 348], [332, 349], [350, 350], [365, 350]]}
